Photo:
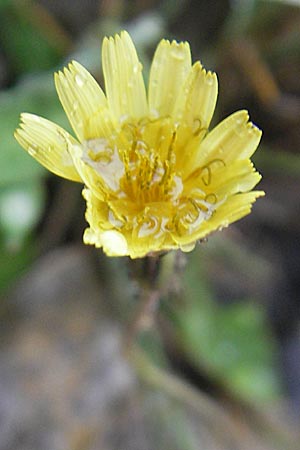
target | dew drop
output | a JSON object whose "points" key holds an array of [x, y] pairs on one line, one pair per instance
{"points": [[137, 68], [239, 121], [31, 151], [210, 80], [154, 113], [79, 81], [211, 198], [186, 248], [36, 118], [240, 130], [178, 54], [74, 109], [196, 126], [225, 224]]}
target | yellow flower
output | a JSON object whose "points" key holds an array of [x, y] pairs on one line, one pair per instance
{"points": [[155, 178]]}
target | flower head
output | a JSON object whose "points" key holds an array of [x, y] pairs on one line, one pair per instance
{"points": [[155, 179]]}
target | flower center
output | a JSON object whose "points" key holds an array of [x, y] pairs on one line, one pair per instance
{"points": [[142, 185], [138, 162], [149, 164]]}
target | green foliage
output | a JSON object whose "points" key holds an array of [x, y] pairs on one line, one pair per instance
{"points": [[230, 343], [21, 183], [31, 47], [14, 262]]}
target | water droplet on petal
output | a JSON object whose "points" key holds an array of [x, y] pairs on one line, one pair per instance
{"points": [[239, 121], [224, 225], [209, 79], [196, 126], [79, 81], [36, 118], [31, 151], [186, 248], [178, 54], [211, 198], [137, 68]]}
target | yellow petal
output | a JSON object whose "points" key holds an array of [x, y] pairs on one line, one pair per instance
{"points": [[124, 84], [170, 67], [236, 207], [114, 243], [240, 176], [49, 144], [197, 100], [100, 125], [220, 180], [234, 138], [81, 97], [90, 177], [96, 211], [101, 234]]}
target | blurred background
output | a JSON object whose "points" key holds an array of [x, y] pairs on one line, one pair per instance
{"points": [[220, 369]]}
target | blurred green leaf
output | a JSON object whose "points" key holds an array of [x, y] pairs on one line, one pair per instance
{"points": [[31, 48], [278, 162], [12, 263], [21, 183], [231, 343]]}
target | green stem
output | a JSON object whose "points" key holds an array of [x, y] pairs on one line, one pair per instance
{"points": [[229, 426]]}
